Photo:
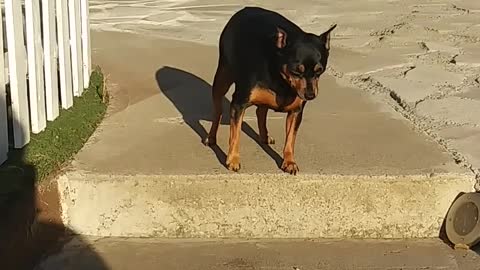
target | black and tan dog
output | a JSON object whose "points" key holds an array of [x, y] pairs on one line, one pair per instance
{"points": [[274, 65]]}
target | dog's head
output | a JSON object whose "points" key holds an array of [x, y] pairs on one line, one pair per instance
{"points": [[302, 60]]}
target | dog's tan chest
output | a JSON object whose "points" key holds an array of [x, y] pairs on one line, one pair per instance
{"points": [[265, 97]]}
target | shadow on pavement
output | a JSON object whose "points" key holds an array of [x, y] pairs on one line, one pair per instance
{"points": [[191, 96], [30, 221], [476, 249]]}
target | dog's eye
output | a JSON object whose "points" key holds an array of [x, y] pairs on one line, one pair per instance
{"points": [[319, 71]]}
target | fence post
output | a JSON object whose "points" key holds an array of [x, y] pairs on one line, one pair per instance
{"points": [[3, 101], [86, 47], [76, 46], [51, 58], [65, 64], [35, 66], [18, 72]]}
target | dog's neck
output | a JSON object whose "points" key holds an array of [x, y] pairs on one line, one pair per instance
{"points": [[277, 82]]}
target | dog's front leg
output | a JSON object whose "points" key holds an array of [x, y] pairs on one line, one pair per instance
{"points": [[294, 119], [236, 118]]}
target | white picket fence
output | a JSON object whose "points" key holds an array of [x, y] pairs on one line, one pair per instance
{"points": [[47, 61]]}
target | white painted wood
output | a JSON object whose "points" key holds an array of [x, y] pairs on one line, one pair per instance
{"points": [[86, 46], [64, 55], [51, 59], [36, 80], [76, 46], [3, 101], [18, 72]]}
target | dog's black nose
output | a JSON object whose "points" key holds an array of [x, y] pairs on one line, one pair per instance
{"points": [[309, 96]]}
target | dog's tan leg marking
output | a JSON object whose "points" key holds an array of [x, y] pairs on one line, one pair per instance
{"points": [[294, 119], [236, 119]]}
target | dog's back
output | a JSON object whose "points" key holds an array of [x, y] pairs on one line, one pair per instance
{"points": [[247, 39]]}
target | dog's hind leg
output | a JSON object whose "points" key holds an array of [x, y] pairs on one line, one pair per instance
{"points": [[221, 83], [237, 111]]}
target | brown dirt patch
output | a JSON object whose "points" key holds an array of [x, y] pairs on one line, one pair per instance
{"points": [[31, 226]]}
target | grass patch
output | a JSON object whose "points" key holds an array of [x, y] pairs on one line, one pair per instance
{"points": [[57, 144]]}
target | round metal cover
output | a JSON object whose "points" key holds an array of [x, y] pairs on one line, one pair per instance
{"points": [[463, 220]]}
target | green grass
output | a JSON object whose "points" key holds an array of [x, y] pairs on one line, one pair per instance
{"points": [[57, 144]]}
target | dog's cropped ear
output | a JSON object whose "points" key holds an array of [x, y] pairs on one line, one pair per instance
{"points": [[280, 38], [325, 37]]}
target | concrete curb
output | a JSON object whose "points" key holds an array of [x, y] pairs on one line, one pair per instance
{"points": [[259, 205]]}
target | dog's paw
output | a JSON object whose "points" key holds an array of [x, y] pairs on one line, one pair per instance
{"points": [[268, 140], [233, 163], [290, 167], [210, 141]]}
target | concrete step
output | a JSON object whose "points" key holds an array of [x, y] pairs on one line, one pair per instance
{"points": [[365, 172], [116, 254], [259, 205]]}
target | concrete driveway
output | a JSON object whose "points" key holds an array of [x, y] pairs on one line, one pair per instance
{"points": [[383, 152]]}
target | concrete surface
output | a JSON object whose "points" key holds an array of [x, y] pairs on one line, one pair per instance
{"points": [[365, 171], [162, 110], [259, 205], [382, 152], [146, 254], [421, 53], [385, 149]]}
